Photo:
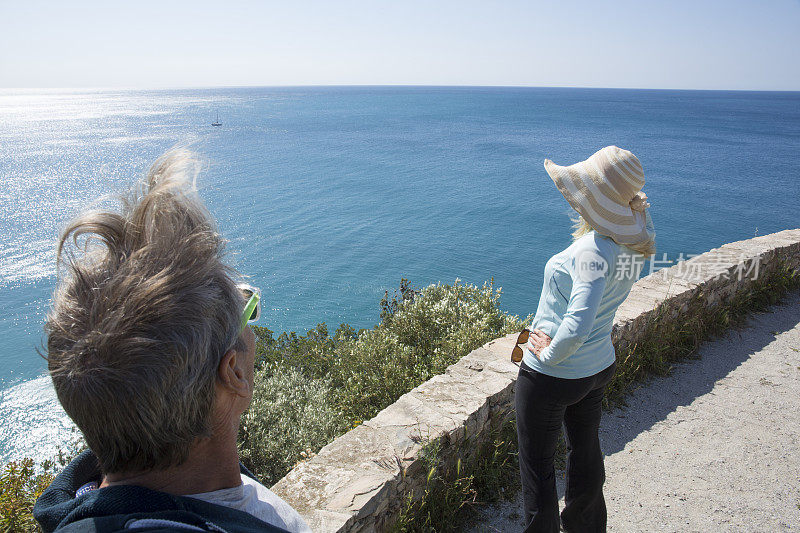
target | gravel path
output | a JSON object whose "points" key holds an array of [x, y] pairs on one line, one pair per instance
{"points": [[715, 446]]}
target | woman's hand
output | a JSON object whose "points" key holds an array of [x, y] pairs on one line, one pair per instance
{"points": [[540, 341]]}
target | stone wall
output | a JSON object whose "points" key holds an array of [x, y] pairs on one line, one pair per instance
{"points": [[358, 482]]}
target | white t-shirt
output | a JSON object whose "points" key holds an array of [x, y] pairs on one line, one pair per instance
{"points": [[254, 498]]}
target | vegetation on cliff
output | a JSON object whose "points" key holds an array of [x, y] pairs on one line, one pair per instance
{"points": [[311, 388]]}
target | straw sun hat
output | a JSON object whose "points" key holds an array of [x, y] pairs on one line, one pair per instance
{"points": [[606, 191]]}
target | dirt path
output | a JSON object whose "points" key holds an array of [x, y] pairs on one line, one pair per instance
{"points": [[715, 446]]}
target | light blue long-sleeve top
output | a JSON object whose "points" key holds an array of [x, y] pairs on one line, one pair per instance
{"points": [[583, 286]]}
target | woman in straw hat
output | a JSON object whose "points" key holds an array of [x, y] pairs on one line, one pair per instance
{"points": [[569, 358]]}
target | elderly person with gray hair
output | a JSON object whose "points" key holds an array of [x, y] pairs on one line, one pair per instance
{"points": [[151, 356]]}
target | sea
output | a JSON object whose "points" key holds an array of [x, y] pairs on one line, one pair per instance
{"points": [[328, 196]]}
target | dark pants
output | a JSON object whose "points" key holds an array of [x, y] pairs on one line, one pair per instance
{"points": [[543, 403]]}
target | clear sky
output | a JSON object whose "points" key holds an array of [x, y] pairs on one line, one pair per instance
{"points": [[697, 44]]}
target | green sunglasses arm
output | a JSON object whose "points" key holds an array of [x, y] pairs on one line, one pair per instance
{"points": [[248, 310]]}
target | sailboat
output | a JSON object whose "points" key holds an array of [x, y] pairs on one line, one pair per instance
{"points": [[217, 122]]}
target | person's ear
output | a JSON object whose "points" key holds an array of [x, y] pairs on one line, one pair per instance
{"points": [[231, 374]]}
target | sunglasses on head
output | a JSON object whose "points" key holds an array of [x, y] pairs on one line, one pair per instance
{"points": [[516, 353], [252, 307]]}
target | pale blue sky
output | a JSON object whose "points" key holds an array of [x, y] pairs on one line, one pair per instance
{"points": [[698, 44]]}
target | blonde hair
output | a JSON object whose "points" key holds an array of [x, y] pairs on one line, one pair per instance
{"points": [[141, 320], [581, 227]]}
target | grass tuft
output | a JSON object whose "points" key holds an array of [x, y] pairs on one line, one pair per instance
{"points": [[455, 488]]}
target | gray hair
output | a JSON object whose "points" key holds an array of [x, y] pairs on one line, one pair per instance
{"points": [[141, 319]]}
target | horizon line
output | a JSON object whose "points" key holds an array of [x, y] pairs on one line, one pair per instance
{"points": [[407, 85]]}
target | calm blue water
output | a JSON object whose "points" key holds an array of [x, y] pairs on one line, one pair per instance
{"points": [[330, 195]]}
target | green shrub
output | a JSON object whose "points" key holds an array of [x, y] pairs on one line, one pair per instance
{"points": [[20, 484], [349, 377], [423, 335], [291, 417]]}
